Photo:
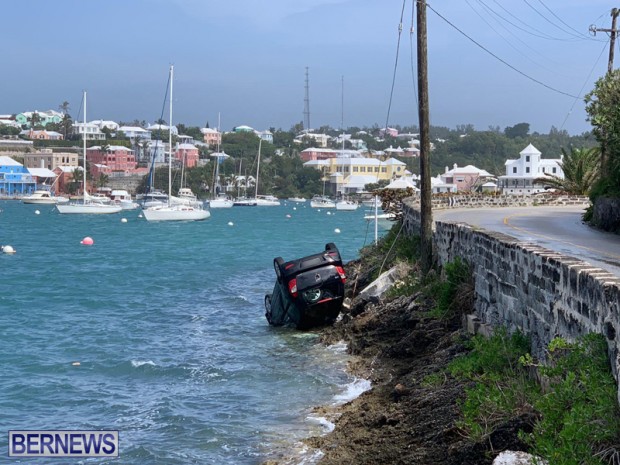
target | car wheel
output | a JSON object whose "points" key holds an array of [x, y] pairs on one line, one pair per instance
{"points": [[277, 265], [268, 308]]}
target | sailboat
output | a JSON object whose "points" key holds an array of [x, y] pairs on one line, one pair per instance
{"points": [[171, 211], [88, 205], [258, 200], [220, 199]]}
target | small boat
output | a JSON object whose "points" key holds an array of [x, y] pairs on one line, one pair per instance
{"points": [[153, 198], [185, 196], [267, 201], [245, 202], [320, 201], [42, 197], [297, 199], [346, 205], [221, 201], [123, 199], [100, 197]]}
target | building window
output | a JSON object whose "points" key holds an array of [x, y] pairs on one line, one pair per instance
{"points": [[527, 169], [554, 170], [355, 169], [362, 169], [527, 158], [384, 169], [514, 170], [376, 169]]}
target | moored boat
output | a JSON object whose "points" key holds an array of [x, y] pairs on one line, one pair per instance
{"points": [[320, 201]]}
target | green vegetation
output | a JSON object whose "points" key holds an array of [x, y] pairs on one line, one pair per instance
{"points": [[578, 419], [581, 171], [454, 293]]}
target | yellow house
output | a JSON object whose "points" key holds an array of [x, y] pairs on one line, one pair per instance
{"points": [[347, 175]]}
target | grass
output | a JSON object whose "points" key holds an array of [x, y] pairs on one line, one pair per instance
{"points": [[579, 418]]}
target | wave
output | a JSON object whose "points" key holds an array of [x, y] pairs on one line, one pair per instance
{"points": [[139, 363], [352, 390]]}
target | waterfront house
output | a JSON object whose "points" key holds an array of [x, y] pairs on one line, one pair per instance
{"points": [[66, 175], [522, 173], [105, 160], [135, 132], [103, 124], [319, 139], [15, 179], [466, 178], [46, 158], [163, 129], [313, 153]]}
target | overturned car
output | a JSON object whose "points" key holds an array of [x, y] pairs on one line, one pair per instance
{"points": [[308, 292]]}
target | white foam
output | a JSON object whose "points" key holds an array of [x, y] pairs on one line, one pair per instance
{"points": [[339, 347], [139, 363], [352, 391], [327, 425]]}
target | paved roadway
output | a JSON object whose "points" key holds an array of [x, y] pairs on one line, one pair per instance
{"points": [[556, 228]]}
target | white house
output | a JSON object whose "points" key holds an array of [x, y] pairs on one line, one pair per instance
{"points": [[521, 173], [91, 130], [135, 132]]}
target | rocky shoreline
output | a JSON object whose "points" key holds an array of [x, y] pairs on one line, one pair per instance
{"points": [[403, 419]]}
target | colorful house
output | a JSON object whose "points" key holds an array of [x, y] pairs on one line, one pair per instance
{"points": [[522, 174], [112, 158], [466, 178], [15, 179], [188, 154], [44, 118]]}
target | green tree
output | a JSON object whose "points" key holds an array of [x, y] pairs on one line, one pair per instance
{"points": [[581, 171], [518, 130], [34, 120], [603, 109], [64, 107]]}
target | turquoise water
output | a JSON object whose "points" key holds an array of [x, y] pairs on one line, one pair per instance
{"points": [[167, 323]]}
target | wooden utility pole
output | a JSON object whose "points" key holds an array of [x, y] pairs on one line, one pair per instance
{"points": [[612, 38], [426, 231]]}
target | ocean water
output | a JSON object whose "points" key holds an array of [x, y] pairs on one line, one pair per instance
{"points": [[167, 323]]}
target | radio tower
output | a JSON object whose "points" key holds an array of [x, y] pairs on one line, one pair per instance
{"points": [[307, 104]]}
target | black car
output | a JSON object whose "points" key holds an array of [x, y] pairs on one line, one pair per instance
{"points": [[308, 292]]}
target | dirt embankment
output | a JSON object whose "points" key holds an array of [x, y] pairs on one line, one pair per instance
{"points": [[404, 419]]}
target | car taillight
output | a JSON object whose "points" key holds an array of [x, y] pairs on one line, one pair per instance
{"points": [[292, 287], [343, 276]]}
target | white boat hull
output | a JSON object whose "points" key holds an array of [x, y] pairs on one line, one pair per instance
{"points": [[220, 203], [346, 206], [322, 204], [88, 208], [39, 201], [175, 213]]}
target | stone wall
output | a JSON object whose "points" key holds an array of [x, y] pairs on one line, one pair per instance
{"points": [[523, 286], [488, 200], [606, 214]]}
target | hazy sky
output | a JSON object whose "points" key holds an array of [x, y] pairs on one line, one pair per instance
{"points": [[246, 60]]}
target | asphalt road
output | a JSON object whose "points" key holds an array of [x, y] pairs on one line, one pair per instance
{"points": [[556, 228]]}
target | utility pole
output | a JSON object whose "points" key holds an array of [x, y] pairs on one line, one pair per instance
{"points": [[426, 231], [612, 38], [307, 104]]}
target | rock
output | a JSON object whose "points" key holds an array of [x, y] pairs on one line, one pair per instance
{"points": [[510, 457], [400, 390]]}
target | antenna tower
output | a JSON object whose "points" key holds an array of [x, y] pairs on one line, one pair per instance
{"points": [[307, 104]]}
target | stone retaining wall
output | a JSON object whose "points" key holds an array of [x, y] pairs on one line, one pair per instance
{"points": [[523, 286], [488, 200]]}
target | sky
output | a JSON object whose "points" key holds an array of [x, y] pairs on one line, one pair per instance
{"points": [[490, 62]]}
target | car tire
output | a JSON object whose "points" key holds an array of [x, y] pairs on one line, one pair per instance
{"points": [[268, 308], [277, 266]]}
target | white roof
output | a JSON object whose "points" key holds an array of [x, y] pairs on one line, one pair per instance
{"points": [[220, 155], [187, 146], [360, 181], [469, 169], [111, 148], [401, 183], [68, 169], [209, 131], [132, 129], [530, 150], [8, 161], [42, 172], [489, 184], [317, 163], [394, 161]]}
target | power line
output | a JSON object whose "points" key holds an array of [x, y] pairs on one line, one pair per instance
{"points": [[549, 21], [498, 58], [579, 34], [400, 30]]}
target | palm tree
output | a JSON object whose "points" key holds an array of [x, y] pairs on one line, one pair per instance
{"points": [[581, 171], [64, 107]]}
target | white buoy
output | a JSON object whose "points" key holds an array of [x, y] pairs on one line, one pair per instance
{"points": [[140, 215], [76, 364], [337, 231], [7, 249], [288, 216], [329, 213], [37, 212], [294, 208], [230, 223], [123, 220]]}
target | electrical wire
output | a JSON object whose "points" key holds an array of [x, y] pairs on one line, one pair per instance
{"points": [[583, 86], [579, 34], [549, 21], [498, 58], [400, 30]]}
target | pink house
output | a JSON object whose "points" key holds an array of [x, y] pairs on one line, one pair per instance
{"points": [[465, 178], [188, 154], [212, 137], [111, 158], [313, 153]]}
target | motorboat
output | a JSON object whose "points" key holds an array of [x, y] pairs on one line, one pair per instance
{"points": [[221, 201], [297, 199], [185, 196], [100, 197], [346, 205], [122, 198], [42, 197], [245, 202], [153, 198], [320, 201], [267, 201]]}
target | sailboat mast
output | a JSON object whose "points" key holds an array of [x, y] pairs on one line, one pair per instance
{"points": [[84, 153], [170, 139], [260, 141]]}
